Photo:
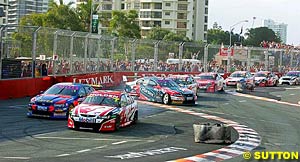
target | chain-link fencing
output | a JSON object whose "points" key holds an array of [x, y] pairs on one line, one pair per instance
{"points": [[38, 51]]}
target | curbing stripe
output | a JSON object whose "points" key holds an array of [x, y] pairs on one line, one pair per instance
{"points": [[248, 138]]}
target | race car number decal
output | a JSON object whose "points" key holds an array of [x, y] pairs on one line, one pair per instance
{"points": [[42, 108]]}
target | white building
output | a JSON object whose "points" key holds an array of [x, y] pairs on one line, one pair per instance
{"points": [[19, 8], [187, 17], [280, 29], [4, 9]]}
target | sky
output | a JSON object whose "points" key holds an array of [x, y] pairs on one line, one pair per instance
{"points": [[228, 12]]}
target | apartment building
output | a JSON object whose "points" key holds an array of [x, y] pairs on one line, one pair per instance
{"points": [[3, 11], [280, 29], [19, 8], [186, 17]]}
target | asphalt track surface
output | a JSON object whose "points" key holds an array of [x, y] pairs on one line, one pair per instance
{"points": [[161, 130]]}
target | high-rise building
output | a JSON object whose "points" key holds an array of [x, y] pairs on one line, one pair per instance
{"points": [[3, 11], [280, 29], [186, 17], [19, 8]]}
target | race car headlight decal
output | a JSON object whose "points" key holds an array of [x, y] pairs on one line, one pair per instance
{"points": [[60, 105], [104, 117], [177, 95]]}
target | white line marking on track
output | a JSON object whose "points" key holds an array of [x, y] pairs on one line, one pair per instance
{"points": [[243, 101], [93, 139], [62, 155], [19, 158], [292, 94], [100, 147], [81, 151], [117, 143]]}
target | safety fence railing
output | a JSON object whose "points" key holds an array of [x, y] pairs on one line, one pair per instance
{"points": [[30, 51]]}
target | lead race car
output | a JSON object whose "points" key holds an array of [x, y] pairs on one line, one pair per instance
{"points": [[104, 110], [163, 90], [58, 100]]}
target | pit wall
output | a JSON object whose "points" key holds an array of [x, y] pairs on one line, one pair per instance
{"points": [[27, 87]]}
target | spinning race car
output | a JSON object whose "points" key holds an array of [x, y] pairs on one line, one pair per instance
{"points": [[164, 90]]}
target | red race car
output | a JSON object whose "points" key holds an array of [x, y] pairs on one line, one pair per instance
{"points": [[104, 110], [209, 82], [265, 78]]}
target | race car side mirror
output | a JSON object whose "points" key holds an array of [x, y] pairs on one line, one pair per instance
{"points": [[41, 92], [80, 100]]}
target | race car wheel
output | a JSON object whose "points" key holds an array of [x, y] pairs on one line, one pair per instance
{"points": [[135, 117], [117, 123], [76, 126], [215, 88], [166, 99], [276, 83]]}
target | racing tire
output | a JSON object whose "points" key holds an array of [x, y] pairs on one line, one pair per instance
{"points": [[96, 128], [276, 84], [215, 89], [166, 99], [117, 123], [76, 127], [135, 117]]}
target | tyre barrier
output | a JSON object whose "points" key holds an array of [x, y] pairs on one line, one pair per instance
{"points": [[214, 133]]}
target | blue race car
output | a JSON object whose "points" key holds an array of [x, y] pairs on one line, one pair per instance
{"points": [[58, 100]]}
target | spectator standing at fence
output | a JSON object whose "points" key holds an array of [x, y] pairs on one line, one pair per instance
{"points": [[44, 70]]}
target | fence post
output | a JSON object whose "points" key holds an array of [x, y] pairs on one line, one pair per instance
{"points": [[133, 48], [85, 51], [280, 59], [266, 52], [112, 54], [1, 52], [155, 55], [291, 60], [205, 57], [181, 45], [54, 53], [99, 52], [71, 53], [248, 51], [34, 41]]}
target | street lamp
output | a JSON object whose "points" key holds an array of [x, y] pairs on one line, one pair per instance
{"points": [[230, 44], [231, 28]]}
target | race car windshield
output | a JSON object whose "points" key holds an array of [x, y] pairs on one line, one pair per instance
{"points": [[292, 74], [101, 100], [62, 90], [237, 75], [167, 83], [260, 75], [181, 81], [209, 77]]}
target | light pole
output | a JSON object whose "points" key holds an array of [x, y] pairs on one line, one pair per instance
{"points": [[230, 44]]}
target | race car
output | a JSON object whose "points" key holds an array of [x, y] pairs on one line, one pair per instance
{"points": [[210, 82], [104, 110], [164, 90], [185, 81], [265, 78], [237, 76], [130, 87], [58, 100], [290, 78]]}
